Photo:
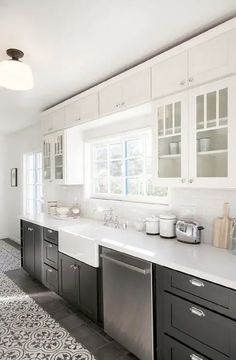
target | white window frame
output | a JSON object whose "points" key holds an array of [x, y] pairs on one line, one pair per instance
{"points": [[107, 140], [25, 184]]}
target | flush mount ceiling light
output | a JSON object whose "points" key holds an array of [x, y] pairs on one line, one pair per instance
{"points": [[14, 74]]}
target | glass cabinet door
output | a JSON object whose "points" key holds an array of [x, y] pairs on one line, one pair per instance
{"points": [[47, 159], [58, 157], [169, 122], [211, 132]]}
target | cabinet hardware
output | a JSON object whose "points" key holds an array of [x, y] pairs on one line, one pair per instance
{"points": [[195, 357], [49, 270], [123, 103], [191, 79], [183, 181], [197, 312], [117, 105], [50, 231], [50, 245], [182, 82], [190, 181], [30, 229], [74, 267], [196, 282]]}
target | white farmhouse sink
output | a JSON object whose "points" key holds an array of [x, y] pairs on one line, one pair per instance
{"points": [[79, 242]]}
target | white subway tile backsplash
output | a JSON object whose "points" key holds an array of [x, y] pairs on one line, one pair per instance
{"points": [[202, 204]]}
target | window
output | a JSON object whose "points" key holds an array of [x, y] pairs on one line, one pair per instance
{"points": [[33, 187], [122, 169]]}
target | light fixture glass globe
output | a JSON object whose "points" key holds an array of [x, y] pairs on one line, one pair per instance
{"points": [[16, 75]]}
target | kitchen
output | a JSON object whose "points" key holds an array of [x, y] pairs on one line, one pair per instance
{"points": [[118, 201]]}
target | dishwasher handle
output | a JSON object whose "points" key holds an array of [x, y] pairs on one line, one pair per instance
{"points": [[127, 266]]}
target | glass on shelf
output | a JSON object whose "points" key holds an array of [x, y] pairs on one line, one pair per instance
{"points": [[170, 157]]}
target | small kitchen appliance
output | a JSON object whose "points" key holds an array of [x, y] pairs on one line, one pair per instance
{"points": [[188, 231], [167, 225]]}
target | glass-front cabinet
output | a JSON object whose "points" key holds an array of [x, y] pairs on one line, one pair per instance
{"points": [[213, 133], [195, 136], [171, 124], [53, 158]]}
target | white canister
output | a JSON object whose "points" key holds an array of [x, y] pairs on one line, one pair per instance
{"points": [[167, 226], [152, 225]]}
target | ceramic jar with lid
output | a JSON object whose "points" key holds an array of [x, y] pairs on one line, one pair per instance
{"points": [[152, 225], [167, 225]]}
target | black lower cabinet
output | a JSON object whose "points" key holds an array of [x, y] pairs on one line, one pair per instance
{"points": [[187, 329], [78, 284], [174, 350], [32, 249]]}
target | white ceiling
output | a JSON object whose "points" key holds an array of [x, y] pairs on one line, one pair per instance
{"points": [[73, 44]]}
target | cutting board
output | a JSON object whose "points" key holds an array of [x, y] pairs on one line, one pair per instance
{"points": [[222, 229]]}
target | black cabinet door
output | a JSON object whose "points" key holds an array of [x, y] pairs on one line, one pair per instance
{"points": [[50, 277], [32, 249], [68, 278], [28, 248], [50, 254], [87, 294]]}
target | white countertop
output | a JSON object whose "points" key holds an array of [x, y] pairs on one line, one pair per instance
{"points": [[204, 261]]}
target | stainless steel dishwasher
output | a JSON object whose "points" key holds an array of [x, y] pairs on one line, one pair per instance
{"points": [[128, 302]]}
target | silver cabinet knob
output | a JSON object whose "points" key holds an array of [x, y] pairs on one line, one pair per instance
{"points": [[74, 267], [30, 229], [190, 181], [50, 245], [183, 82], [50, 231], [49, 270], [191, 79]]}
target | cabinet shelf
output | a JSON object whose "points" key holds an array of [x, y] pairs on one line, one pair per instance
{"points": [[168, 136], [170, 156], [212, 152], [212, 128]]}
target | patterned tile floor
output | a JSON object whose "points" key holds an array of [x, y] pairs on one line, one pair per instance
{"points": [[36, 323]]}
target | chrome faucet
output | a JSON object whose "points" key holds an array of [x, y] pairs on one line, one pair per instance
{"points": [[110, 219]]}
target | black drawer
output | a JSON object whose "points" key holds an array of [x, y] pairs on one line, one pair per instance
{"points": [[51, 235], [205, 293], [50, 254], [174, 350], [200, 328], [50, 277]]}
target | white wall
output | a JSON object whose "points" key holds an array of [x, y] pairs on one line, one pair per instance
{"points": [[4, 177], [18, 143]]}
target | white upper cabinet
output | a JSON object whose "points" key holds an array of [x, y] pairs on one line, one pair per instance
{"points": [[63, 157], [53, 121], [133, 90], [84, 109], [170, 139], [212, 59], [170, 76]]}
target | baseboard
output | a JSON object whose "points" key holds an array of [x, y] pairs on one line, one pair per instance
{"points": [[3, 236], [17, 240]]}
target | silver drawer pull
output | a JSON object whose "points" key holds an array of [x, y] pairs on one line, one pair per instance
{"points": [[30, 229], [196, 282], [50, 231], [195, 357], [49, 245], [49, 270], [197, 312]]}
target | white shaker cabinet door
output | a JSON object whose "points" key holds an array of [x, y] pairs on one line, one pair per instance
{"points": [[47, 123], [212, 134], [89, 107], [170, 76], [212, 59], [110, 98], [72, 114], [136, 89]]}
